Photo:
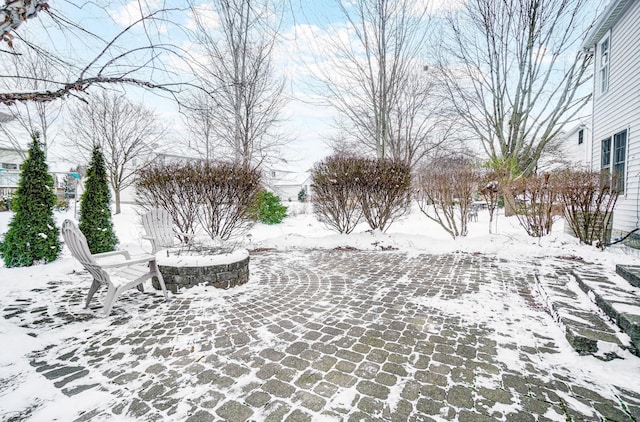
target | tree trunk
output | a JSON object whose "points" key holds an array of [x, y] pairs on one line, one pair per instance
{"points": [[509, 202], [117, 198]]}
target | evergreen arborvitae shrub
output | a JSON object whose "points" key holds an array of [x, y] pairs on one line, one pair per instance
{"points": [[32, 236], [302, 195], [268, 209], [95, 214]]}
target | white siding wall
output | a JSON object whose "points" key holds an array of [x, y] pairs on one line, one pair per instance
{"points": [[619, 109], [10, 156]]}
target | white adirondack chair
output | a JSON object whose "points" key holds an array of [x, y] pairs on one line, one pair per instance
{"points": [[158, 227], [118, 276]]}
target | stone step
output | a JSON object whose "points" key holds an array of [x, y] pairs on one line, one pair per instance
{"points": [[618, 300], [631, 273], [586, 328]]}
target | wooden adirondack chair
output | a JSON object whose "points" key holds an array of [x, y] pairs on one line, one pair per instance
{"points": [[158, 227], [117, 276]]}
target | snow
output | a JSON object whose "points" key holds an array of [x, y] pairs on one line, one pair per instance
{"points": [[181, 258], [414, 235]]}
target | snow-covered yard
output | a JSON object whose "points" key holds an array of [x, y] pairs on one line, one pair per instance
{"points": [[55, 325]]}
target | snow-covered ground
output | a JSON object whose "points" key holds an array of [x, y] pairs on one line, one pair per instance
{"points": [[415, 234]]}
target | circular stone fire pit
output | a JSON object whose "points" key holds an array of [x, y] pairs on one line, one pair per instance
{"points": [[189, 266]]}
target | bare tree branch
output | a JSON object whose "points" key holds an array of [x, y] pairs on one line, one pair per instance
{"points": [[509, 69], [240, 109], [14, 13], [125, 131]]}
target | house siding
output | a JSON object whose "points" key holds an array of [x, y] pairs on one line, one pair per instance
{"points": [[618, 109]]}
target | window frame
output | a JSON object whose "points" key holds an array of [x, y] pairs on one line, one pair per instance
{"points": [[604, 61], [613, 159], [580, 136], [9, 166], [619, 159]]}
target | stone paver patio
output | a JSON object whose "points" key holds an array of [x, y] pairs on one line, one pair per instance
{"points": [[328, 335]]}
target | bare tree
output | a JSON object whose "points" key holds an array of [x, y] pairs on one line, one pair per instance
{"points": [[509, 69], [126, 132], [199, 112], [237, 72], [31, 117], [120, 57], [375, 78]]}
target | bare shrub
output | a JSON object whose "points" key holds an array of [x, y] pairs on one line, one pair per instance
{"points": [[172, 187], [444, 193], [227, 192], [535, 202], [383, 190], [491, 194], [587, 201], [335, 197]]}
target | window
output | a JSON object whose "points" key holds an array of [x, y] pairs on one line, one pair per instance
{"points": [[9, 166], [619, 157], [613, 159], [605, 162], [604, 65], [580, 136]]}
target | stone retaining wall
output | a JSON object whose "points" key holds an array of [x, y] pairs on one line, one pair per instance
{"points": [[219, 276]]}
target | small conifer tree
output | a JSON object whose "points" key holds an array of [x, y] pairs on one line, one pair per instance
{"points": [[95, 214], [32, 236]]}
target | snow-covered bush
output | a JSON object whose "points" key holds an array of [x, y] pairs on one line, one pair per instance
{"points": [[32, 236], [172, 187], [95, 211], [347, 189], [444, 191], [384, 191], [587, 201], [226, 192], [536, 202], [267, 208], [335, 194]]}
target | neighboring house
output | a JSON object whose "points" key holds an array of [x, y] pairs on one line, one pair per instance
{"points": [[287, 184], [10, 161], [615, 43], [576, 144], [571, 150]]}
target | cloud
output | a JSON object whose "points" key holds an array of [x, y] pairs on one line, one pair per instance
{"points": [[131, 12], [205, 15]]}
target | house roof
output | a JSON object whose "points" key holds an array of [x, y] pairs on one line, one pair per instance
{"points": [[4, 117], [608, 18]]}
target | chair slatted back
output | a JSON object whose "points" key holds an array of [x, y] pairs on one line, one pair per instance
{"points": [[158, 223], [77, 244]]}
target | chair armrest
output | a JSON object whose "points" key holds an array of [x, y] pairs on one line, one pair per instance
{"points": [[114, 253], [143, 259]]}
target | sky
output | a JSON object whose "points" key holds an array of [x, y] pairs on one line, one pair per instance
{"points": [[307, 121]]}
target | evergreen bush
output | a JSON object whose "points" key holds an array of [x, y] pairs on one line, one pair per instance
{"points": [[302, 195], [268, 209], [32, 236], [95, 214]]}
